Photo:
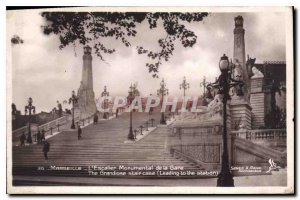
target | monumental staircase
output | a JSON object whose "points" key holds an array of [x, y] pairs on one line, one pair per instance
{"points": [[103, 144], [195, 148]]}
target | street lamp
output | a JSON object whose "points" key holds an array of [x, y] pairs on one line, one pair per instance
{"points": [[73, 99], [131, 95], [223, 84], [105, 103], [162, 91], [184, 85], [28, 109], [204, 84]]}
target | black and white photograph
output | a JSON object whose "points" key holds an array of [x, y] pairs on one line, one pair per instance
{"points": [[150, 100]]}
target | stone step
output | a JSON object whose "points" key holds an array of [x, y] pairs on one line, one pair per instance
{"points": [[101, 144]]}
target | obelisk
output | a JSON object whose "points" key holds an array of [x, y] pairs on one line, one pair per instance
{"points": [[240, 109], [86, 97], [239, 56]]}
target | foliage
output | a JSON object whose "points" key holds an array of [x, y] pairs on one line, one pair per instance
{"points": [[84, 27], [276, 119], [16, 40]]}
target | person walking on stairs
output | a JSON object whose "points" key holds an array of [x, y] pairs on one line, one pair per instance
{"points": [[43, 136], [38, 136], [22, 139], [46, 149], [95, 118], [79, 133]]}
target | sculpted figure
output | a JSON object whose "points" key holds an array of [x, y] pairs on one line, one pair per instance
{"points": [[256, 73]]}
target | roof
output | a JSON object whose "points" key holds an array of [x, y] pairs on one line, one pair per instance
{"points": [[273, 70]]}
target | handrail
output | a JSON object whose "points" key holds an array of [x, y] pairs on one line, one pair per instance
{"points": [[18, 132], [76, 120], [261, 149], [19, 129], [49, 127]]}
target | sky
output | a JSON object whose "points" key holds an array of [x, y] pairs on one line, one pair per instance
{"points": [[41, 71]]}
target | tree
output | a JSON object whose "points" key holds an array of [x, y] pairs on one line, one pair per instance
{"points": [[16, 40], [83, 27]]}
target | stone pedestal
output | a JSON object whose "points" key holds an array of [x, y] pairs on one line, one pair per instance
{"points": [[257, 101], [86, 103], [240, 111]]}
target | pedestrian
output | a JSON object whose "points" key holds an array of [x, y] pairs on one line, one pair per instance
{"points": [[38, 137], [46, 149], [79, 133], [43, 136], [117, 112], [22, 139], [95, 118]]}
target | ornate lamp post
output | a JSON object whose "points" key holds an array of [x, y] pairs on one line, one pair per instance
{"points": [[28, 109], [184, 85], [162, 91], [131, 95], [105, 103], [223, 84], [73, 99]]}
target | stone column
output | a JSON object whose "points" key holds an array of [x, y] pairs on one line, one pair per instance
{"points": [[239, 57], [240, 108], [86, 98]]}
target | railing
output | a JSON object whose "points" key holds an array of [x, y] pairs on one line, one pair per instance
{"points": [[206, 155], [57, 122], [195, 131], [16, 133], [85, 121], [258, 150], [51, 127], [178, 153], [261, 134]]}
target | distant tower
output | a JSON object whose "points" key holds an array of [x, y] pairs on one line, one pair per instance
{"points": [[239, 41], [239, 57], [86, 102]]}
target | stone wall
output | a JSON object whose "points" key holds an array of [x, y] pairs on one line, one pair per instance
{"points": [[202, 143], [257, 101], [240, 112]]}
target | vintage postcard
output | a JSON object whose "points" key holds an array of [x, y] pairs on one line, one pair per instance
{"points": [[150, 100]]}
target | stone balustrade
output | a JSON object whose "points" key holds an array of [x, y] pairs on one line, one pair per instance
{"points": [[17, 133], [51, 127], [261, 134]]}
